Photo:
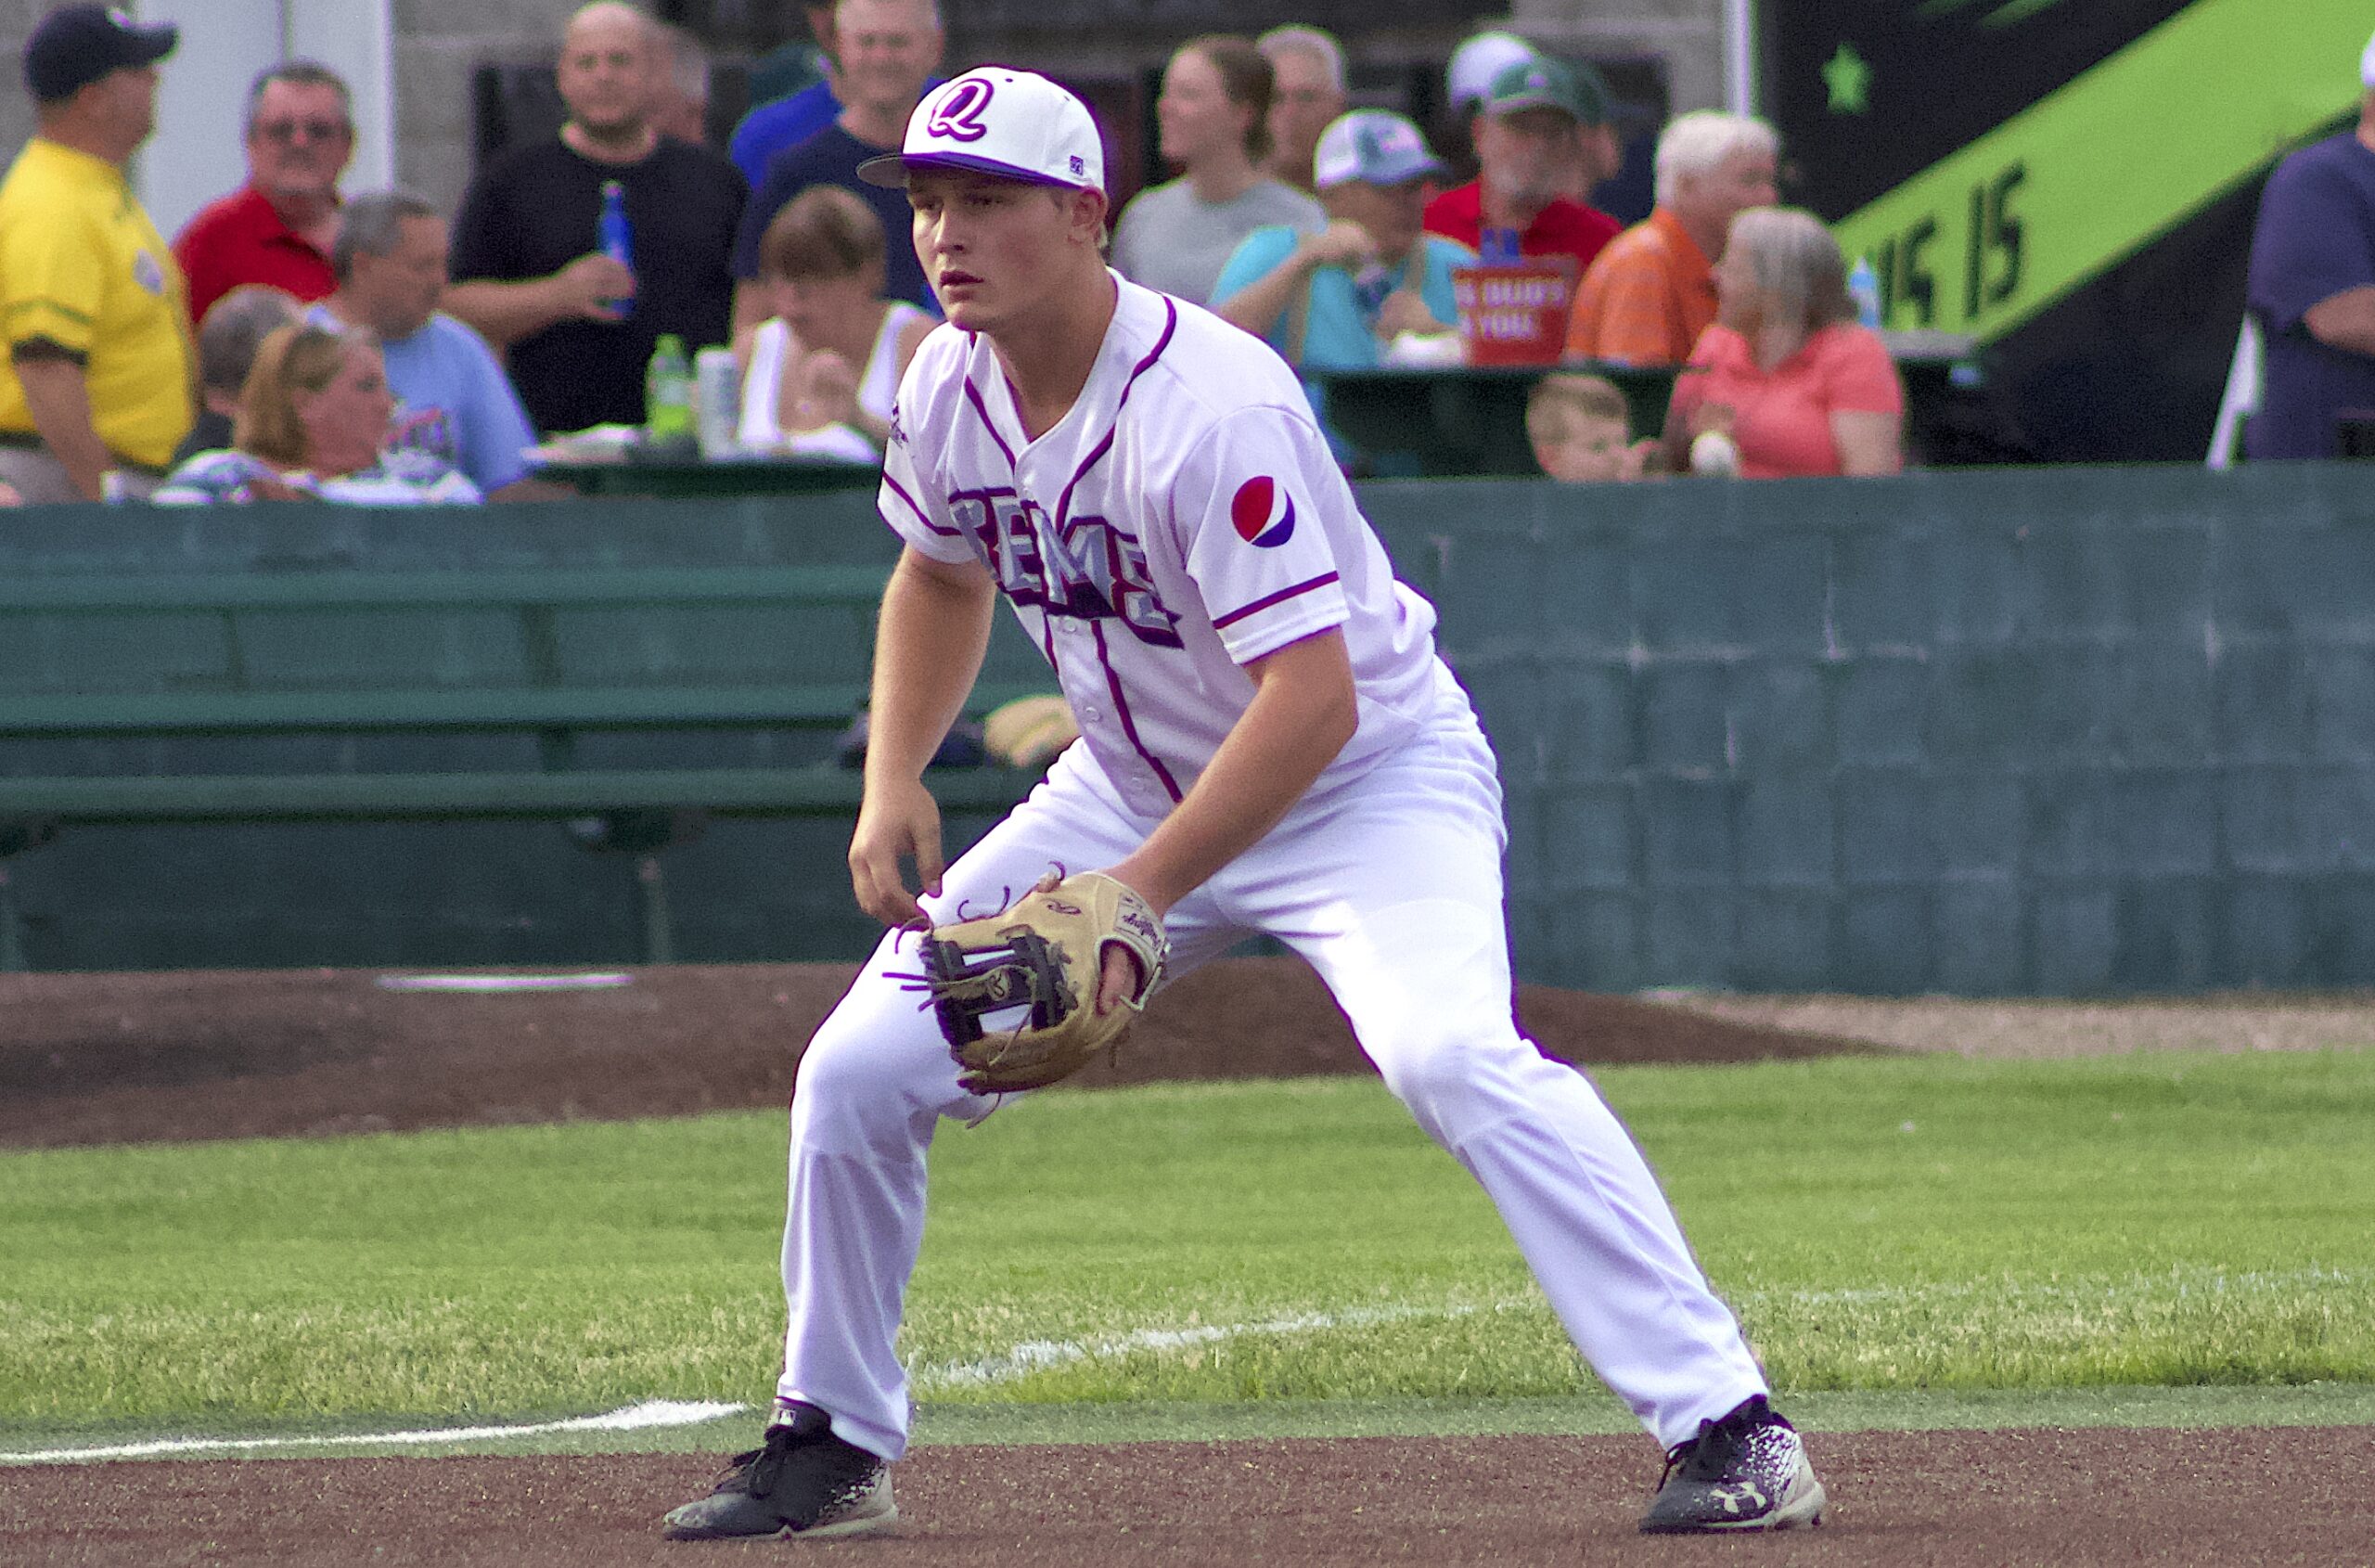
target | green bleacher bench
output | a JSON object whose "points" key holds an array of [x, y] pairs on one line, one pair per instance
{"points": [[554, 658]]}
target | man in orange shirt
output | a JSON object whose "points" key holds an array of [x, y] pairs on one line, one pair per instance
{"points": [[1648, 295]]}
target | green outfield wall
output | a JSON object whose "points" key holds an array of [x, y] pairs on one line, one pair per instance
{"points": [[2050, 731]]}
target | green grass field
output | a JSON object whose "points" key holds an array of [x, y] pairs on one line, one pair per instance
{"points": [[1893, 1231]]}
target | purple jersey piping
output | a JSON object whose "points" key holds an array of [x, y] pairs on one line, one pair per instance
{"points": [[1234, 616], [901, 491], [1122, 712], [973, 396], [1170, 326]]}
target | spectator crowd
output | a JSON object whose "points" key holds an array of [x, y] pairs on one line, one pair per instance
{"points": [[300, 339]]}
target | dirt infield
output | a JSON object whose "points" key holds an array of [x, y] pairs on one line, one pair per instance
{"points": [[117, 1058], [2030, 1499]]}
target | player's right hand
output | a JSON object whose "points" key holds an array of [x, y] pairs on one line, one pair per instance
{"points": [[900, 821], [591, 282]]}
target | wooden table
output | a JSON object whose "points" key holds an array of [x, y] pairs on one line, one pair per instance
{"points": [[688, 475], [1469, 421]]}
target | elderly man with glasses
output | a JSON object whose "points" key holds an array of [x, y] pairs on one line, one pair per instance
{"points": [[278, 228]]}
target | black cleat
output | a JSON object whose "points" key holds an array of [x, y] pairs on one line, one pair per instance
{"points": [[802, 1480], [1746, 1472]]}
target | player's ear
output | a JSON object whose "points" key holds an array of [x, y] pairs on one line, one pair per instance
{"points": [[1085, 213]]}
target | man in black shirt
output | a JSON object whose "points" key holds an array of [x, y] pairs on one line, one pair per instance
{"points": [[884, 53], [577, 327]]}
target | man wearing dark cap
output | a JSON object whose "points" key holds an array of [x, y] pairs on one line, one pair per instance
{"points": [[1527, 130], [99, 378]]}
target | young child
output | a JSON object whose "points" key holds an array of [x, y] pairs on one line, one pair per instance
{"points": [[1582, 432]]}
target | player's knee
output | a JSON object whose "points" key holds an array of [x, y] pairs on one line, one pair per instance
{"points": [[1424, 1066], [852, 1092]]}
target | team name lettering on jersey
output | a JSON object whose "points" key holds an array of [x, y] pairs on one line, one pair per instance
{"points": [[1089, 569]]}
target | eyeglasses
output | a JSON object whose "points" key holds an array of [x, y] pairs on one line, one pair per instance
{"points": [[285, 131]]}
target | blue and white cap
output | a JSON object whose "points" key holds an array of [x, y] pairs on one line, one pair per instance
{"points": [[1375, 144], [1016, 124]]}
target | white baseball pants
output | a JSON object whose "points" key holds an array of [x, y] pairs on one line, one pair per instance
{"points": [[1389, 886]]}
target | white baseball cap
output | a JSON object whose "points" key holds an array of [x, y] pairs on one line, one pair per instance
{"points": [[1375, 144], [1477, 62], [1016, 124], [2366, 65]]}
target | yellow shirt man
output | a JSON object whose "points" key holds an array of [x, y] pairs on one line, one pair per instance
{"points": [[82, 268]]}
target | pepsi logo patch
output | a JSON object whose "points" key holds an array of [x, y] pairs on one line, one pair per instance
{"points": [[1263, 513]]}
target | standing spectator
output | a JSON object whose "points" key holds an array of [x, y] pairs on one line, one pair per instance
{"points": [[455, 402], [577, 327], [97, 320], [884, 53], [277, 227], [1786, 374], [835, 349], [1468, 80], [680, 87], [1307, 95], [1213, 122], [1526, 130], [791, 92], [2312, 290], [1653, 292], [228, 338]]}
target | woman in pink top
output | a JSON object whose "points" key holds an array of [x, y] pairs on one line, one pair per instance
{"points": [[1785, 373]]}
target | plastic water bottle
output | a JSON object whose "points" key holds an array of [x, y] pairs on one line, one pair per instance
{"points": [[1864, 288], [668, 395], [614, 237]]}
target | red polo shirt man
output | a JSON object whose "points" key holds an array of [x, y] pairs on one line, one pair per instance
{"points": [[277, 229], [1526, 130]]}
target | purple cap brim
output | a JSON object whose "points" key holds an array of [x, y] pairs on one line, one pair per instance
{"points": [[890, 169]]}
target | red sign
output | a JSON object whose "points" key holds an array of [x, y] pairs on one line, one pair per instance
{"points": [[1515, 316]]}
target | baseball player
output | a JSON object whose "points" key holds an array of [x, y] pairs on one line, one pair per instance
{"points": [[1269, 743]]}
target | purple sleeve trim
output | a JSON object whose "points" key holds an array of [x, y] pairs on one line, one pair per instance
{"points": [[1234, 616], [901, 491]]}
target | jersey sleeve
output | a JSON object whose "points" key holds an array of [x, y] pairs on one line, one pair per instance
{"points": [[2311, 243], [912, 500], [53, 282], [1252, 505]]}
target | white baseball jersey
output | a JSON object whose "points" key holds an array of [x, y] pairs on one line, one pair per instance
{"points": [[1182, 519]]}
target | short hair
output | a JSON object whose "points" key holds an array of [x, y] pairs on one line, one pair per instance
{"points": [[826, 231], [1794, 259], [1698, 143], [1246, 77], [1595, 397], [293, 359], [300, 73], [1297, 39], [931, 9], [235, 325], [371, 223]]}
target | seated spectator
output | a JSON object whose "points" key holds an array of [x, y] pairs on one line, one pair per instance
{"points": [[1653, 292], [1785, 377], [1306, 97], [1582, 430], [830, 359], [1336, 299], [791, 92], [453, 401], [1527, 132], [226, 351], [311, 420], [2311, 288], [1212, 123], [277, 227], [885, 52], [576, 327]]}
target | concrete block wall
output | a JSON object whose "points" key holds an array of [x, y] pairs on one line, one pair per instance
{"points": [[2052, 731]]}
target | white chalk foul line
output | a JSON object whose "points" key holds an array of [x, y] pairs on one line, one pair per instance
{"points": [[1034, 1355], [651, 1413]]}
